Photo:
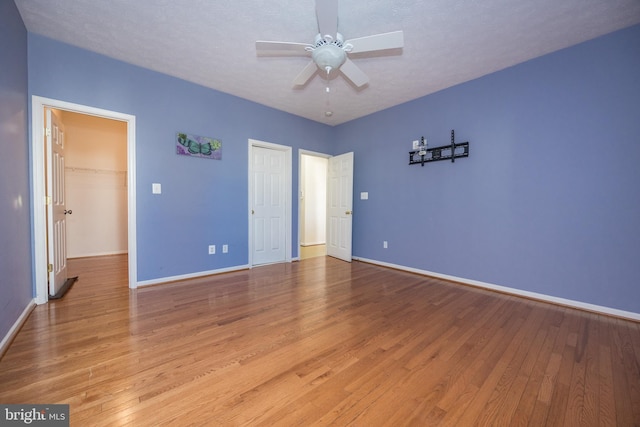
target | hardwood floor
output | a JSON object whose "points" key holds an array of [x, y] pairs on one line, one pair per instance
{"points": [[319, 342]]}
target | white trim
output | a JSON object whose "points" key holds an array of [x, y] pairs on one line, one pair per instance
{"points": [[6, 341], [95, 254], [313, 243], [302, 151], [191, 275], [38, 186], [517, 292], [288, 196]]}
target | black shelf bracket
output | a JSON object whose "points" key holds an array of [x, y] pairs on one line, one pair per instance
{"points": [[452, 151]]}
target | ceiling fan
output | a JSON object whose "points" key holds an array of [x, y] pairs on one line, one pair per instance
{"points": [[330, 51]]}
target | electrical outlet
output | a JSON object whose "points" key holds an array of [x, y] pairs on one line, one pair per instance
{"points": [[212, 249], [225, 249], [385, 245]]}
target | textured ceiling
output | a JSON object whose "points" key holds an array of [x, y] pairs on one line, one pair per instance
{"points": [[212, 43]]}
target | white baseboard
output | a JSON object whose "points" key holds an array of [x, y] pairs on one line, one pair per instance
{"points": [[6, 341], [312, 243], [518, 292], [95, 254], [192, 275]]}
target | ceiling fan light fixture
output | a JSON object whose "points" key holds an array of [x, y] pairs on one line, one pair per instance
{"points": [[329, 55]]}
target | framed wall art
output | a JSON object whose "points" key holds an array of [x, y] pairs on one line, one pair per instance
{"points": [[198, 146]]}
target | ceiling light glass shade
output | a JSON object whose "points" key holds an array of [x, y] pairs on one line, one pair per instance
{"points": [[329, 56]]}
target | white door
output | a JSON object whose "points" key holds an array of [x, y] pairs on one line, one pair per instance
{"points": [[56, 209], [268, 205], [340, 206]]}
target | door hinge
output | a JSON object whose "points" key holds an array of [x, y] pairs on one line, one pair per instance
{"points": [[49, 268], [47, 200], [47, 132]]}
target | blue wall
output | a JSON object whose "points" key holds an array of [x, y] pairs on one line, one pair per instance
{"points": [[203, 201], [548, 200], [15, 234]]}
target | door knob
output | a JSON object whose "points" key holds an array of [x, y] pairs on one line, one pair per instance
{"points": [[68, 212], [348, 212]]}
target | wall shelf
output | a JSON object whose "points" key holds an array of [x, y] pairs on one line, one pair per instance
{"points": [[444, 152]]}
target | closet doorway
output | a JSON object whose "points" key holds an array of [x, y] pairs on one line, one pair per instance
{"points": [[39, 183], [96, 185], [313, 204]]}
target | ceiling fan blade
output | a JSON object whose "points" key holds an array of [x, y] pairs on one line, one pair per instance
{"points": [[383, 41], [267, 48], [354, 73], [327, 14], [305, 75]]}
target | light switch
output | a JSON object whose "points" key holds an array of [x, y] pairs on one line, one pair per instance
{"points": [[156, 188], [364, 195]]}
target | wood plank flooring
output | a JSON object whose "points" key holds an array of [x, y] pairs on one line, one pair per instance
{"points": [[319, 342]]}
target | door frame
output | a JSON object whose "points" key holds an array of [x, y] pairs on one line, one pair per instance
{"points": [[38, 187], [287, 188], [304, 152]]}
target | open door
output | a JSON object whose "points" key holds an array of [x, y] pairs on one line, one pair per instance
{"points": [[340, 206], [56, 208]]}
